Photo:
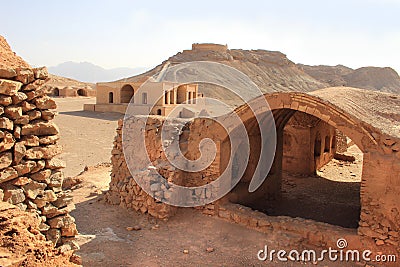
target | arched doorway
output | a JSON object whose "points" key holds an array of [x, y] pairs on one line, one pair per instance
{"points": [[56, 92], [81, 92], [335, 201], [110, 97], [181, 94], [127, 93], [158, 111]]}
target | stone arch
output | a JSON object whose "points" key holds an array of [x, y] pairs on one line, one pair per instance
{"points": [[181, 94], [126, 93], [283, 106], [81, 92]]}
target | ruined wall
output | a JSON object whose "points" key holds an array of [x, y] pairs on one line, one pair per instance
{"points": [[30, 177], [380, 188], [300, 133], [124, 190], [325, 152]]}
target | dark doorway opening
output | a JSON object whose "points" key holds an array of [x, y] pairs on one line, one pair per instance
{"points": [[81, 92], [110, 97]]}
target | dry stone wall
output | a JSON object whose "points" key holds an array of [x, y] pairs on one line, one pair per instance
{"points": [[124, 190], [30, 175]]}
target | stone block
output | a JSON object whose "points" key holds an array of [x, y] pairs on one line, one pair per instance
{"points": [[18, 98], [47, 152], [8, 87], [6, 123], [13, 112], [7, 73], [13, 195], [41, 73], [42, 176], [55, 164], [8, 174], [19, 152], [30, 140], [5, 160], [5, 100], [25, 167], [53, 235], [33, 189], [40, 128], [45, 102], [34, 114]]}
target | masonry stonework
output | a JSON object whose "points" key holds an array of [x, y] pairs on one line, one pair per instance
{"points": [[30, 176]]}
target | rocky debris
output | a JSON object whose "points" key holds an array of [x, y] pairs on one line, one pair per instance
{"points": [[23, 244], [123, 189], [210, 249], [134, 228], [30, 176], [71, 182], [344, 157]]}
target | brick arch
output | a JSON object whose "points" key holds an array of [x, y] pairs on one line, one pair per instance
{"points": [[282, 104], [376, 138], [126, 93]]}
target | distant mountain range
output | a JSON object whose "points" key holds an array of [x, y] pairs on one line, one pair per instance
{"points": [[88, 72]]}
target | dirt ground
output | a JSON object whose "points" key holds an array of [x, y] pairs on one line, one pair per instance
{"points": [[87, 137], [105, 237], [331, 196]]}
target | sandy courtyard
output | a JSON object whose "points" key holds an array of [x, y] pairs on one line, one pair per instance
{"points": [[86, 137]]}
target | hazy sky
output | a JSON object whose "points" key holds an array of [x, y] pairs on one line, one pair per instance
{"points": [[141, 34]]}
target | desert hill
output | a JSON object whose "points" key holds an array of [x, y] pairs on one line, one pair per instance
{"points": [[61, 82], [370, 78], [272, 71]]}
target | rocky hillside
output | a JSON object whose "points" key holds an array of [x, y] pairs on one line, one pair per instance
{"points": [[272, 71], [8, 58], [370, 78]]}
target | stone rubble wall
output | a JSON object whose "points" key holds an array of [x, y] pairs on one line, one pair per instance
{"points": [[30, 175], [124, 190]]}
